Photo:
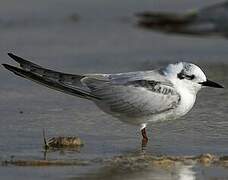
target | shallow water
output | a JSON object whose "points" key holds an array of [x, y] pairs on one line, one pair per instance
{"points": [[104, 39]]}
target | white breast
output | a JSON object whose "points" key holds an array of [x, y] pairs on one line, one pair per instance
{"points": [[186, 103]]}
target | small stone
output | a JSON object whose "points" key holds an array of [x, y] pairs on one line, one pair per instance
{"points": [[206, 159]]}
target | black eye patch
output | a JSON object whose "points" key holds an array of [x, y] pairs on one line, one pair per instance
{"points": [[181, 75], [191, 77]]}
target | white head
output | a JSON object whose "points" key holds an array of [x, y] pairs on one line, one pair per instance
{"points": [[187, 75]]}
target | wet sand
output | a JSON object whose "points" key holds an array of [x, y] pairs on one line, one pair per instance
{"points": [[103, 39]]}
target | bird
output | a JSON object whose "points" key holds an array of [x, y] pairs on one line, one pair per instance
{"points": [[137, 98], [207, 21]]}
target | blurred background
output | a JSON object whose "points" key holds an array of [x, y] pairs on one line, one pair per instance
{"points": [[102, 36]]}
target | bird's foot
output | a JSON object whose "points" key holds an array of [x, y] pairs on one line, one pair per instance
{"points": [[144, 140], [144, 143]]}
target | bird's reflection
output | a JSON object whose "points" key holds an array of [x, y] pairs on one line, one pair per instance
{"points": [[186, 173], [142, 167], [211, 20]]}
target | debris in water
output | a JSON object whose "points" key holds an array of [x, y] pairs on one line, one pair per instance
{"points": [[134, 161], [130, 162], [62, 142], [46, 162]]}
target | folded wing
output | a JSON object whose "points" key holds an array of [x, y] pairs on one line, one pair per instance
{"points": [[134, 98]]}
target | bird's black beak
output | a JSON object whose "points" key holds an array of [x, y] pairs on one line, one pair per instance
{"points": [[211, 84]]}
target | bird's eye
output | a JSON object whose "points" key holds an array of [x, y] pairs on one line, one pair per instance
{"points": [[191, 77], [181, 75]]}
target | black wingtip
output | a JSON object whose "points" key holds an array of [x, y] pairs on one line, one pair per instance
{"points": [[22, 61], [14, 69], [16, 58], [19, 60], [11, 55], [10, 68], [6, 66]]}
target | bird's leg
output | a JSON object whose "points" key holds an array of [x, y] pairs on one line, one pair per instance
{"points": [[145, 138]]}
